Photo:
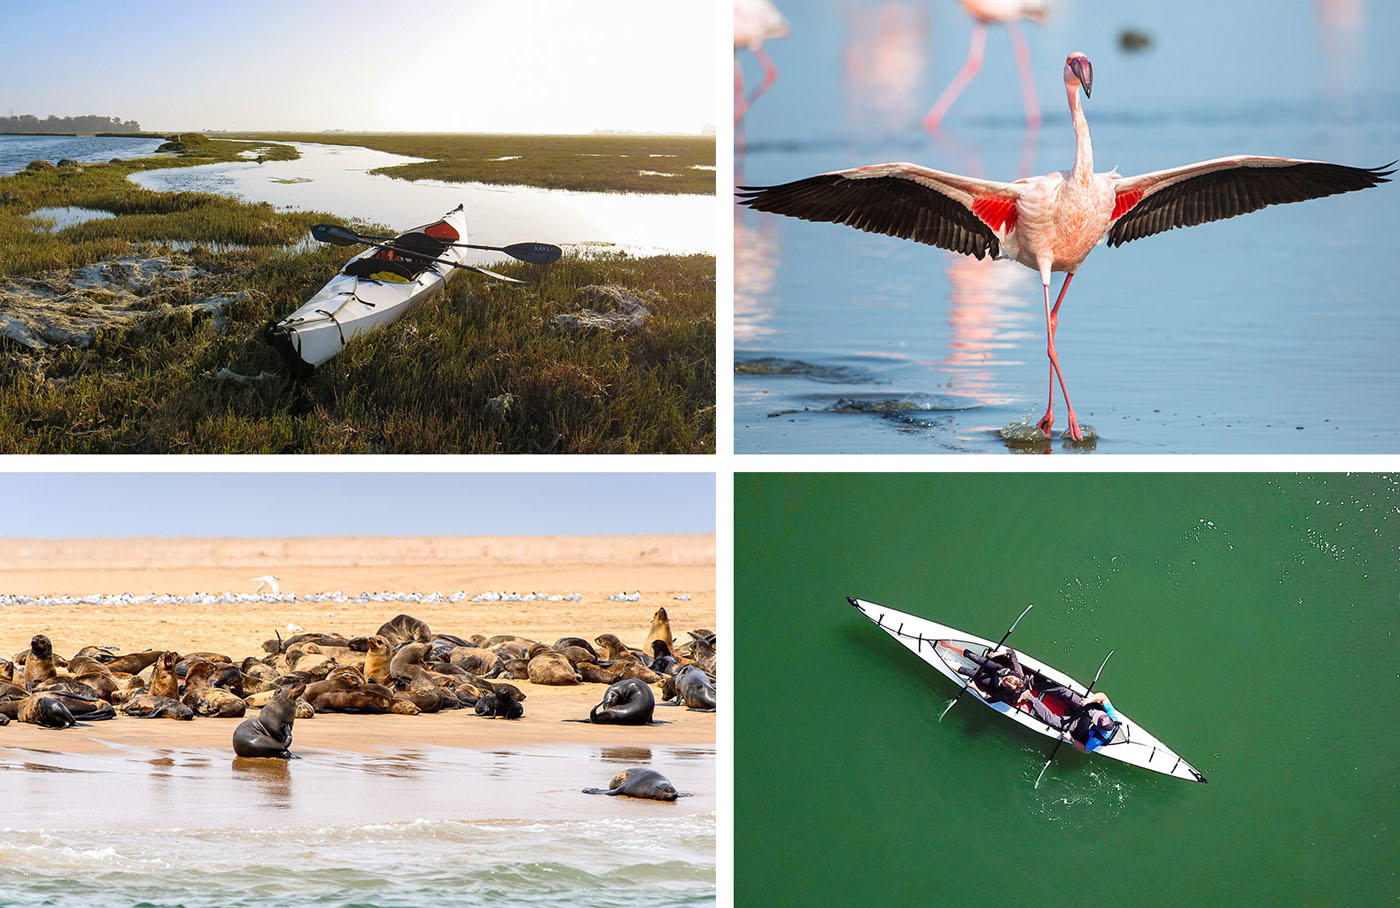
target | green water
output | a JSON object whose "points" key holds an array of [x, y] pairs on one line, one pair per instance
{"points": [[1254, 619]]}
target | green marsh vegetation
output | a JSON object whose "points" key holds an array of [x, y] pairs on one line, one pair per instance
{"points": [[481, 368], [607, 163]]}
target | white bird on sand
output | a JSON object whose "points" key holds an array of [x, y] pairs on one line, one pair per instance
{"points": [[268, 581]]}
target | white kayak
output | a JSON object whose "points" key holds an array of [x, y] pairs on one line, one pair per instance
{"points": [[942, 647], [373, 289]]}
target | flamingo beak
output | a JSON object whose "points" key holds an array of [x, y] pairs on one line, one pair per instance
{"points": [[1083, 71]]}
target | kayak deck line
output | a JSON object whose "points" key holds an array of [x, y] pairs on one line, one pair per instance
{"points": [[1133, 744]]}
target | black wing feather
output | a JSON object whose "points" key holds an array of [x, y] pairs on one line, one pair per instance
{"points": [[1225, 193], [890, 205]]}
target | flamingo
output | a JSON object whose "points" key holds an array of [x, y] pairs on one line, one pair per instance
{"points": [[755, 21], [985, 12], [1051, 223]]}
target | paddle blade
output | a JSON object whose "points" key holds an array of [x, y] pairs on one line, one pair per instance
{"points": [[534, 253], [499, 277], [335, 234]]}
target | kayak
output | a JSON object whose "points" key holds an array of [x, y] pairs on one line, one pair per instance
{"points": [[373, 289], [943, 647]]}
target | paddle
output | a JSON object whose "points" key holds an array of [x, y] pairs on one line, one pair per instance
{"points": [[534, 253], [1062, 740], [989, 652], [421, 256]]}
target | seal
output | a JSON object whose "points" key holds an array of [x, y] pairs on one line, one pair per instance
{"points": [[378, 655], [702, 649], [662, 660], [405, 629], [660, 630], [164, 682], [611, 647], [691, 687], [628, 702], [38, 664], [150, 706], [269, 733], [550, 667], [639, 783], [499, 700], [45, 711], [207, 700]]}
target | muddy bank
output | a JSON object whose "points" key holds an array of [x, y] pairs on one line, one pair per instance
{"points": [[67, 307]]}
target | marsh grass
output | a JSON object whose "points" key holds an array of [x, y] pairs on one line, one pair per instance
{"points": [[423, 384], [589, 163]]}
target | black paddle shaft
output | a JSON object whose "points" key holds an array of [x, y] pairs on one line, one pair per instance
{"points": [[533, 253]]}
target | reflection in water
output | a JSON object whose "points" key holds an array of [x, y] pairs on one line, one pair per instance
{"points": [[625, 754], [1342, 25], [271, 778], [987, 315], [755, 262], [884, 62]]}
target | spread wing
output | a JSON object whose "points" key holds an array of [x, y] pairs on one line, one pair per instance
{"points": [[962, 214], [1225, 187]]}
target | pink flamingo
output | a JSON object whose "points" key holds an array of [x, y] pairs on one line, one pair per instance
{"points": [[1050, 223], [1008, 12], [755, 21]]}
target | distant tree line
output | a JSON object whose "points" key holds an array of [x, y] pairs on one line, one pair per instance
{"points": [[89, 123]]}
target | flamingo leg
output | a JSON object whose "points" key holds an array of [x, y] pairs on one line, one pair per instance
{"points": [[739, 106], [770, 73], [1023, 64], [1052, 320], [960, 81]]}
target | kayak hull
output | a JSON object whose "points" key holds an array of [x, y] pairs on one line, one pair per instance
{"points": [[348, 306], [940, 646]]}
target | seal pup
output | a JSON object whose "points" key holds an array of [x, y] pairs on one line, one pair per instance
{"points": [[269, 733], [639, 783], [660, 630], [628, 702], [692, 687], [499, 701]]}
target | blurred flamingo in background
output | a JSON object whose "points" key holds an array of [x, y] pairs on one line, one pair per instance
{"points": [[755, 21], [985, 12], [1051, 223]]}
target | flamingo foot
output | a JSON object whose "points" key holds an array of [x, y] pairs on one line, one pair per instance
{"points": [[1074, 433], [1047, 422]]}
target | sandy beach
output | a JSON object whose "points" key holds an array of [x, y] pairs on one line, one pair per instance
{"points": [[659, 567]]}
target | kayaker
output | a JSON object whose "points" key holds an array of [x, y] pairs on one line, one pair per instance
{"points": [[1089, 722], [999, 678]]}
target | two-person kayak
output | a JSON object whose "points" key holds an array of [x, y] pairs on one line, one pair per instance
{"points": [[374, 288], [947, 649]]}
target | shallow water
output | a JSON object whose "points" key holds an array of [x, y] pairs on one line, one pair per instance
{"points": [[427, 825], [335, 178], [17, 151], [1272, 332], [56, 219], [1253, 619]]}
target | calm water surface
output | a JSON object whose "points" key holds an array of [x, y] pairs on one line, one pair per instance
{"points": [[336, 178], [1273, 332], [440, 826], [1256, 624], [17, 151]]}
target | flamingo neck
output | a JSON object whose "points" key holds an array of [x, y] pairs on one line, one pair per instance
{"points": [[1083, 146]]}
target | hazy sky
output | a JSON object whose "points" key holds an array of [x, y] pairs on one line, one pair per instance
{"points": [[429, 65], [57, 505]]}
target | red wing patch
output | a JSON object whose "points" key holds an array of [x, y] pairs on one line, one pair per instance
{"points": [[1124, 201], [998, 214], [442, 231]]}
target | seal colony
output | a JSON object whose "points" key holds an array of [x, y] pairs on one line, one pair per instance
{"points": [[404, 667]]}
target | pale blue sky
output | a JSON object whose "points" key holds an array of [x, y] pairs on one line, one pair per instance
{"points": [[425, 66], [58, 505]]}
